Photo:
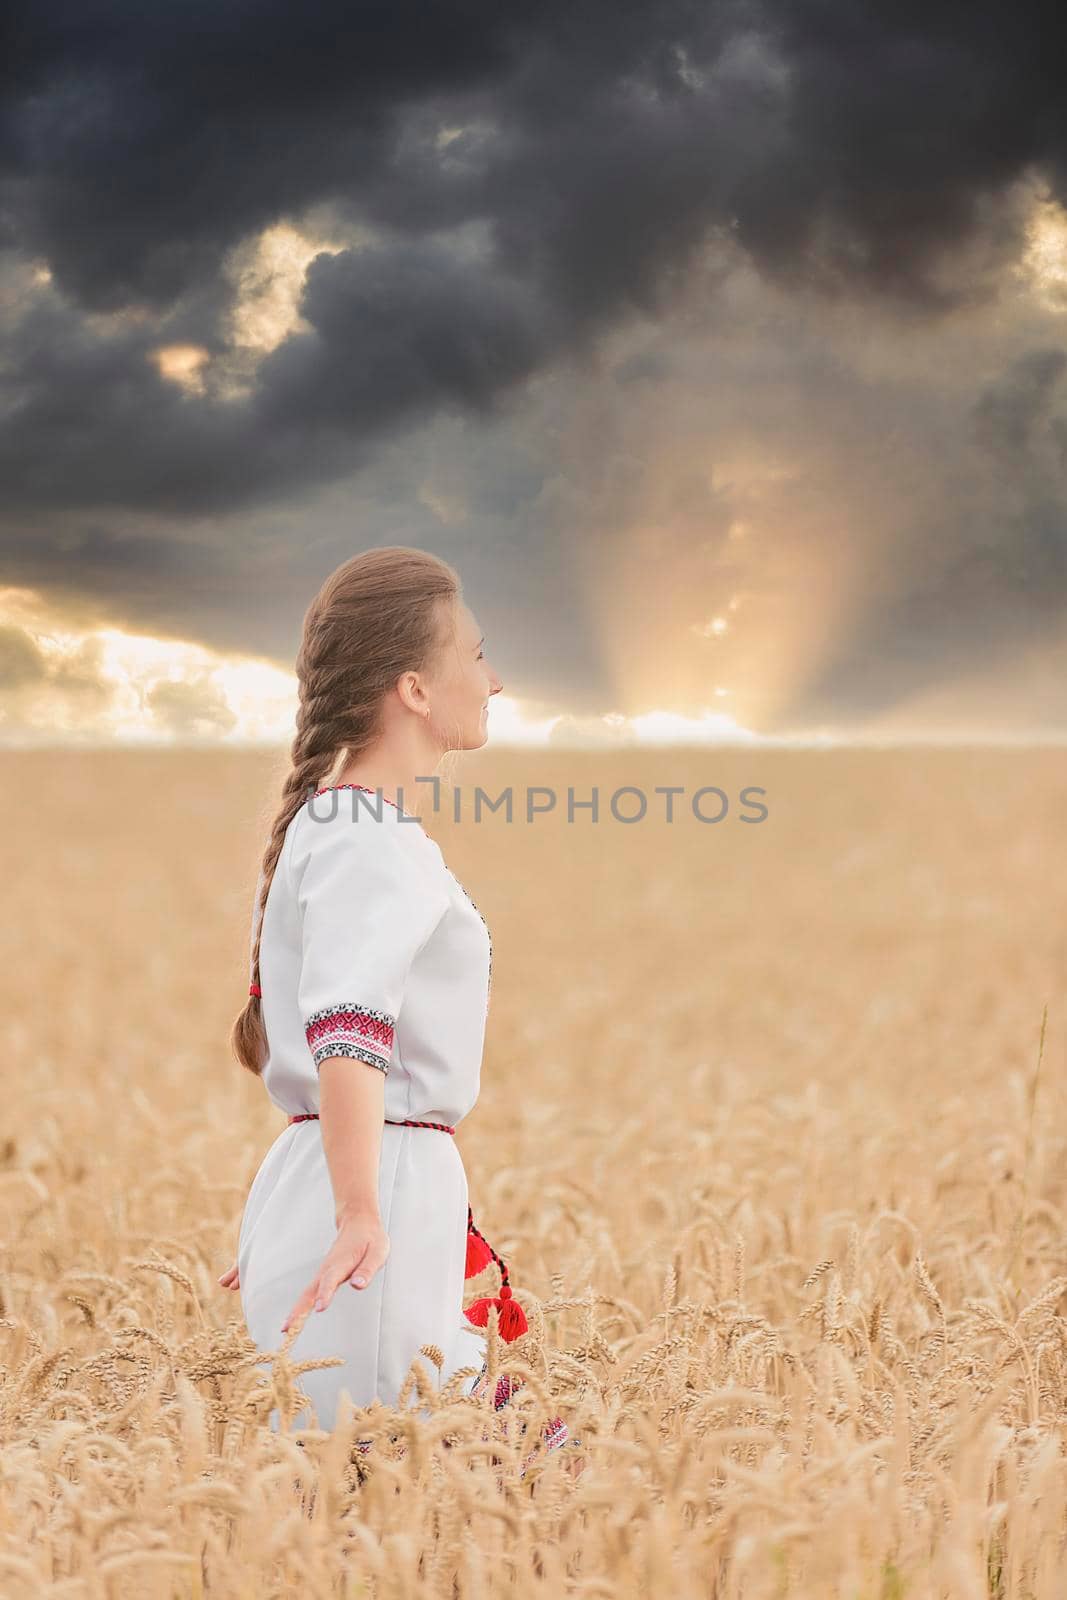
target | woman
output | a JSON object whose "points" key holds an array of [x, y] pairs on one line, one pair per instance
{"points": [[371, 971]]}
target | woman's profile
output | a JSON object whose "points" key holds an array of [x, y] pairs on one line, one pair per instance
{"points": [[371, 971]]}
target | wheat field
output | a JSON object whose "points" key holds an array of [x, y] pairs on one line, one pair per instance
{"points": [[771, 1134]]}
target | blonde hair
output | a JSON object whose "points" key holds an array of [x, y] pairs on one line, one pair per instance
{"points": [[381, 613]]}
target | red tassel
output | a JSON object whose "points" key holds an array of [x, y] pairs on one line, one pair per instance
{"points": [[511, 1317], [479, 1254]]}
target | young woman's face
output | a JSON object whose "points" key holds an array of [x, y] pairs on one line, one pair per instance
{"points": [[462, 687]]}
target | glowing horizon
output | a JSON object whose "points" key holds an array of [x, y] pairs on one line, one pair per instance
{"points": [[105, 686]]}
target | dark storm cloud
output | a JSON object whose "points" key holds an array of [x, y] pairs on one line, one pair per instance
{"points": [[513, 183], [846, 146], [901, 123], [395, 332]]}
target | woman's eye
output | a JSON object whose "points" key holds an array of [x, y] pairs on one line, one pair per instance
{"points": [[481, 653]]}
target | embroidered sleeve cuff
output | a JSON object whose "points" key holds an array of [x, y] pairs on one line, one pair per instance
{"points": [[351, 1030]]}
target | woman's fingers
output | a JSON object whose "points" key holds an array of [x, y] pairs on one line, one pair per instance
{"points": [[337, 1268], [231, 1279], [316, 1292], [356, 1254]]}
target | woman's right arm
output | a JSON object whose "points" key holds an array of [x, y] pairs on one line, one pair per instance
{"points": [[351, 1112]]}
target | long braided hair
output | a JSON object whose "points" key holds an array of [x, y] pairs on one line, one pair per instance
{"points": [[380, 614]]}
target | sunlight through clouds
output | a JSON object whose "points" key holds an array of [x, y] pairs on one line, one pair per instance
{"points": [[172, 690], [104, 685], [268, 273], [182, 364], [1043, 268]]}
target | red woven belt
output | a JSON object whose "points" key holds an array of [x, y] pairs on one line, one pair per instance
{"points": [[511, 1317]]}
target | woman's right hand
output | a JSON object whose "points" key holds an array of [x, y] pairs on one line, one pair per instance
{"points": [[361, 1247]]}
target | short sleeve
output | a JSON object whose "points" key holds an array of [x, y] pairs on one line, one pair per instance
{"points": [[366, 909]]}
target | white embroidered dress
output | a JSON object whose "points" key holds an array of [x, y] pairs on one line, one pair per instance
{"points": [[371, 949]]}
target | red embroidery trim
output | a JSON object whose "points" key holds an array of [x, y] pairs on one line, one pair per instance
{"points": [[354, 1023]]}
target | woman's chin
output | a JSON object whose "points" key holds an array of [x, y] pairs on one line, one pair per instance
{"points": [[476, 737]]}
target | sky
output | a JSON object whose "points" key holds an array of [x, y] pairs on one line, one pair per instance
{"points": [[721, 348]]}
